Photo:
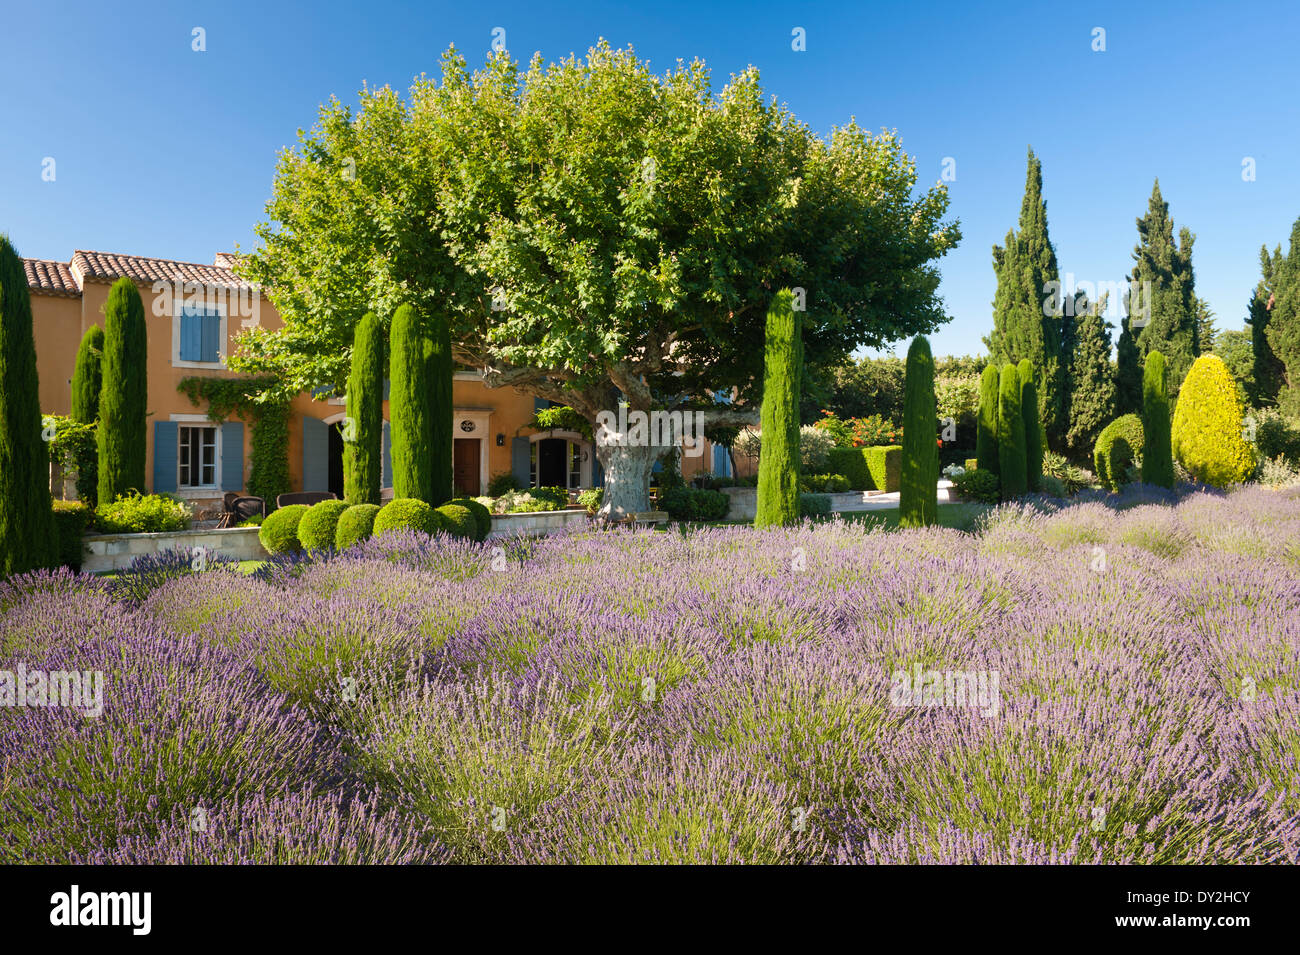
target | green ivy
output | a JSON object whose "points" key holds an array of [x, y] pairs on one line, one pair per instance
{"points": [[251, 399], [561, 418]]}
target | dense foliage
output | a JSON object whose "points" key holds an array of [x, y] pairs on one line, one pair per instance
{"points": [[1118, 450], [355, 525], [779, 465], [917, 502], [137, 513], [279, 532], [1207, 428], [123, 405], [363, 446], [1012, 467], [1157, 456], [318, 527]]}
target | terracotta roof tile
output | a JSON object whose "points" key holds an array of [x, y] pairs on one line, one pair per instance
{"points": [[108, 267], [51, 278]]}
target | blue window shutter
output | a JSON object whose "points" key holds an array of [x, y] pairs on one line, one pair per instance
{"points": [[520, 465], [211, 337], [191, 336], [315, 454], [539, 404], [386, 476], [232, 456], [164, 456], [387, 387], [597, 473]]}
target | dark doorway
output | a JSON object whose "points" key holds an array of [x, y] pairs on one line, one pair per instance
{"points": [[465, 467], [551, 466], [336, 460]]}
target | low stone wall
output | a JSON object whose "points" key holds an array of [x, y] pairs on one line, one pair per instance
{"points": [[109, 552], [537, 523]]}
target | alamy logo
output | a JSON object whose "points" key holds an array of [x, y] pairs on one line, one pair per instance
{"points": [[243, 301], [133, 909], [66, 688], [654, 429], [973, 688]]}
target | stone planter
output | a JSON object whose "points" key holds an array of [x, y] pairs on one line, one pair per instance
{"points": [[110, 552], [537, 523]]}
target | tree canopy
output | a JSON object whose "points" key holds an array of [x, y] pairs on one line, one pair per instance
{"points": [[590, 226]]}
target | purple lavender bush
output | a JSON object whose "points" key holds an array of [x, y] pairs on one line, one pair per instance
{"points": [[1112, 679]]}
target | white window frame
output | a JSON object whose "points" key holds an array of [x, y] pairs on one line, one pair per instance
{"points": [[178, 305], [204, 491]]}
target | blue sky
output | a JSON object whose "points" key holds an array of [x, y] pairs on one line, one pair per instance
{"points": [[163, 151]]}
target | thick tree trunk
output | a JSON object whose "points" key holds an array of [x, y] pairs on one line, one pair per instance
{"points": [[627, 479]]}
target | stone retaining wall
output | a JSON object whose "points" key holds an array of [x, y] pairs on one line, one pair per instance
{"points": [[109, 552]]}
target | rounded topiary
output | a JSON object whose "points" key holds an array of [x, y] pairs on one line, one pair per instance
{"points": [[356, 524], [1118, 446], [460, 520], [408, 513], [317, 527], [482, 516], [1207, 436], [279, 533]]}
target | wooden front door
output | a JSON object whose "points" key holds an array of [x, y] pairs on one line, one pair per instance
{"points": [[465, 467]]}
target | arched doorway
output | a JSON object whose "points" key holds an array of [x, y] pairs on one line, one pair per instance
{"points": [[560, 459]]}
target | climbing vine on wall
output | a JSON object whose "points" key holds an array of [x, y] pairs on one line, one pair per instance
{"points": [[248, 398]]}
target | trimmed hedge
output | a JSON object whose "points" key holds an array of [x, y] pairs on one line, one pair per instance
{"points": [[279, 532], [136, 513], [409, 512], [780, 463], [1034, 439], [885, 467], [482, 516], [917, 505], [71, 518], [852, 463], [814, 505], [978, 484], [824, 483], [355, 525], [460, 520], [694, 504], [1117, 448], [986, 433], [317, 528], [1207, 436]]}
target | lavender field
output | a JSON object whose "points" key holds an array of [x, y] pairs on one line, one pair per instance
{"points": [[725, 695]]}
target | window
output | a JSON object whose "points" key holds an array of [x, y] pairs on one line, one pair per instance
{"points": [[197, 456], [575, 465], [200, 333], [532, 464]]}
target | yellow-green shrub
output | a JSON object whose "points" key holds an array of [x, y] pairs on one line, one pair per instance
{"points": [[1207, 436]]}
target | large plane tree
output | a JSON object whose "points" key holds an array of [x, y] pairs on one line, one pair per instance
{"points": [[597, 233]]}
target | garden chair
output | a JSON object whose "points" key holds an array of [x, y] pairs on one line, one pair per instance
{"points": [[227, 508], [245, 507]]}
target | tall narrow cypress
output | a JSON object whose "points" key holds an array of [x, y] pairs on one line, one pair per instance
{"points": [[917, 489], [410, 353], [1157, 453], [26, 520], [440, 409], [87, 383], [1033, 426], [986, 434], [363, 446], [123, 404], [778, 465], [1011, 435]]}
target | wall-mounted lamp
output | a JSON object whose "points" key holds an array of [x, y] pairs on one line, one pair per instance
{"points": [[501, 440]]}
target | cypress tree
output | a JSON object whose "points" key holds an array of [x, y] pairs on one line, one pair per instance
{"points": [[1028, 308], [1092, 377], [87, 383], [409, 398], [1128, 371], [440, 409], [917, 489], [1033, 427], [986, 433], [26, 518], [1011, 435], [363, 454], [88, 376], [1171, 311], [123, 404], [778, 465], [1268, 374], [1283, 328], [1157, 456]]}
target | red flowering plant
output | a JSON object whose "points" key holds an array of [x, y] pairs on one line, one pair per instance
{"points": [[869, 432]]}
